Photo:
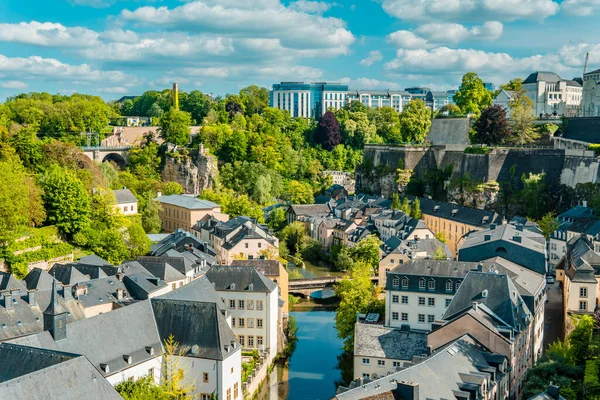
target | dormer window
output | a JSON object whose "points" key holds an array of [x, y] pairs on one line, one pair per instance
{"points": [[422, 284], [431, 285], [395, 282], [449, 286], [458, 284], [232, 286]]}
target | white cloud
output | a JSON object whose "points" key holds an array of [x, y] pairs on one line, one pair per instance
{"points": [[435, 34], [312, 7], [374, 57], [469, 10], [369, 83], [248, 72], [13, 85], [294, 29], [574, 55], [580, 7], [113, 89], [50, 68], [47, 34]]}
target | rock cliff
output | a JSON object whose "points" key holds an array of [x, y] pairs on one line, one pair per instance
{"points": [[194, 172]]}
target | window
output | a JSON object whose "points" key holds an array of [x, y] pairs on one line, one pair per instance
{"points": [[583, 305], [404, 316], [583, 292], [259, 323], [259, 245], [421, 301], [430, 318], [395, 316], [448, 301], [458, 284], [231, 303], [246, 245], [381, 363], [229, 394], [431, 301], [242, 340], [405, 283], [235, 391], [404, 299], [250, 322], [205, 377], [250, 305], [396, 282], [151, 373], [232, 322], [173, 286], [449, 286], [259, 341], [421, 318], [395, 363], [205, 396], [241, 304], [250, 341], [431, 285], [241, 322], [395, 299], [422, 283], [365, 375], [366, 361], [259, 304]]}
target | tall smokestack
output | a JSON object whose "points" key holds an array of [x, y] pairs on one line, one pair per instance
{"points": [[175, 96]]}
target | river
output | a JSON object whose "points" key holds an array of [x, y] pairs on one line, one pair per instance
{"points": [[312, 372]]}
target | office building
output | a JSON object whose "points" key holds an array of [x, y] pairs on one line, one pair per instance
{"points": [[308, 100]]}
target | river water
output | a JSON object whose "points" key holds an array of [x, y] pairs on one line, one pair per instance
{"points": [[312, 372]]}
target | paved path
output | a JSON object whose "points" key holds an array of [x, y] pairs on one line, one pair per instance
{"points": [[554, 315]]}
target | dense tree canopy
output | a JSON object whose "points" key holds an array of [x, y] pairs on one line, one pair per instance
{"points": [[472, 97], [492, 126], [328, 133], [415, 121], [175, 127]]}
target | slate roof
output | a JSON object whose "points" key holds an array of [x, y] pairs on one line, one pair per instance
{"points": [[178, 240], [310, 210], [102, 291], [545, 76], [188, 201], [528, 282], [576, 212], [139, 282], [441, 268], [199, 327], [378, 341], [124, 196], [38, 279], [162, 268], [9, 282], [197, 290], [466, 215], [502, 299], [428, 246], [107, 337], [581, 263], [239, 279], [267, 267], [29, 373], [440, 376], [67, 274]]}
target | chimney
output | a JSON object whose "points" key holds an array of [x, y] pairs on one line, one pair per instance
{"points": [[8, 305], [475, 305], [407, 390], [517, 238], [492, 227], [553, 391], [120, 276], [120, 293], [31, 298], [67, 293], [583, 203], [487, 238]]}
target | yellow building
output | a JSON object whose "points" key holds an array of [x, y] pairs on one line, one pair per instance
{"points": [[183, 211], [454, 221]]}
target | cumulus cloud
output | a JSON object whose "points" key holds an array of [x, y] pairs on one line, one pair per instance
{"points": [[313, 7], [435, 34], [580, 7], [374, 57], [248, 72], [50, 68], [48, 34], [574, 55], [13, 85], [294, 29], [369, 83], [469, 10]]}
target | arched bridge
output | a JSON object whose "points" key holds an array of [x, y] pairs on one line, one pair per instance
{"points": [[117, 154], [306, 287]]}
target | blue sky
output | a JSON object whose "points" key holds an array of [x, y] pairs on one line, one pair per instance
{"points": [[124, 47]]}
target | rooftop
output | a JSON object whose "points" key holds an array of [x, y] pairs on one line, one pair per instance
{"points": [[188, 201], [378, 341], [239, 279], [124, 196]]}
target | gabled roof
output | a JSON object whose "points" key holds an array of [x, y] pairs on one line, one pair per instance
{"points": [[495, 291], [38, 279], [545, 76], [197, 290], [67, 274], [124, 196], [267, 267], [139, 282], [239, 279], [455, 212], [106, 338], [30, 373], [162, 269], [9, 282], [93, 259], [310, 210], [188, 201], [199, 327], [102, 291], [582, 263]]}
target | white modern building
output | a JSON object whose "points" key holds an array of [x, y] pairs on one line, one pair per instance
{"points": [[378, 98], [591, 94], [308, 100], [503, 99], [252, 299], [552, 95]]}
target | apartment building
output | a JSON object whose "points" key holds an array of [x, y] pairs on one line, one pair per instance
{"points": [[308, 100], [252, 299], [559, 238], [275, 271], [591, 94], [127, 203], [241, 238], [180, 211], [552, 95], [453, 220], [436, 99], [378, 98], [394, 223]]}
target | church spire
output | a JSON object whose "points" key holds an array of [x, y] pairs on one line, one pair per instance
{"points": [[55, 316]]}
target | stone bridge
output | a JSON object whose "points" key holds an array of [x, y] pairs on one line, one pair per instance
{"points": [[308, 286], [117, 154]]}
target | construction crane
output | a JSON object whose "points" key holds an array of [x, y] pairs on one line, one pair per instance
{"points": [[587, 58]]}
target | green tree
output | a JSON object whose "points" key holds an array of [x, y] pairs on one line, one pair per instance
{"points": [[521, 117], [356, 294], [169, 188], [276, 220], [415, 121], [66, 200], [366, 251], [441, 236], [395, 201], [492, 126], [294, 236], [174, 127], [405, 207], [151, 221], [449, 110], [136, 240], [299, 192], [548, 224], [472, 97], [255, 99], [534, 194], [581, 339], [439, 254], [141, 389], [415, 209]]}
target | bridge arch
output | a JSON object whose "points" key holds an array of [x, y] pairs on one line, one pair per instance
{"points": [[116, 158]]}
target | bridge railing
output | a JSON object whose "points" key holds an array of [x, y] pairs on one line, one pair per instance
{"points": [[106, 148]]}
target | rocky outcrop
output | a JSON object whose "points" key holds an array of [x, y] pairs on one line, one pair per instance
{"points": [[194, 172]]}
